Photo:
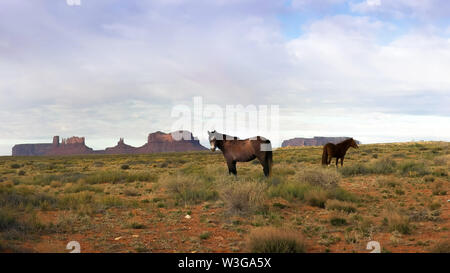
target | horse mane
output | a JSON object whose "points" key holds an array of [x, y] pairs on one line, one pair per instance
{"points": [[345, 142], [220, 136]]}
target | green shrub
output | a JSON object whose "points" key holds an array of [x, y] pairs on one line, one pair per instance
{"points": [[290, 190], [440, 172], [205, 235], [135, 225], [111, 201], [355, 169], [338, 221], [75, 200], [64, 178], [7, 220], [383, 166], [342, 195], [22, 197], [189, 189], [412, 168]]}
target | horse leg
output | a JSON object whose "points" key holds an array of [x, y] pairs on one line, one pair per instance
{"points": [[337, 160], [342, 162], [265, 169], [262, 161], [232, 167], [329, 160]]}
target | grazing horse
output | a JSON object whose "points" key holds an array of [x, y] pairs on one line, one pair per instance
{"points": [[331, 150], [237, 150]]}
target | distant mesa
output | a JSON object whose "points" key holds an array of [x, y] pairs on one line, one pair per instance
{"points": [[158, 142], [315, 141]]}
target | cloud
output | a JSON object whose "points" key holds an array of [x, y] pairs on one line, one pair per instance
{"points": [[420, 9], [341, 55], [315, 4]]}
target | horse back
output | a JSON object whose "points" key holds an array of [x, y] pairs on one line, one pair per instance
{"points": [[330, 148], [244, 150]]}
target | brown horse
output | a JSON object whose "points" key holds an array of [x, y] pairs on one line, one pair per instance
{"points": [[236, 150], [339, 150]]}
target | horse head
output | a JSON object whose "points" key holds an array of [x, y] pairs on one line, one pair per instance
{"points": [[212, 140], [353, 144]]}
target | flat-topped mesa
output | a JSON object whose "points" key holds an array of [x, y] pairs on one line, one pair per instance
{"points": [[315, 141], [170, 137], [159, 137], [31, 149], [177, 141]]}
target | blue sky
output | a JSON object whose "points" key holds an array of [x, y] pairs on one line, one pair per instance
{"points": [[376, 70]]}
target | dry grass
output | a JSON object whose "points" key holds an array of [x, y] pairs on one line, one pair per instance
{"points": [[340, 206], [275, 240], [396, 221], [316, 197], [441, 247], [188, 189], [92, 196], [324, 178], [244, 197]]}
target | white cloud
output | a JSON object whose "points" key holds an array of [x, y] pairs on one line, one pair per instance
{"points": [[315, 4], [341, 54], [422, 9]]}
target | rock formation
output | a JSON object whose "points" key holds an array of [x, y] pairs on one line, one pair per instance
{"points": [[31, 149], [315, 141], [174, 142], [179, 141], [120, 148], [69, 146]]}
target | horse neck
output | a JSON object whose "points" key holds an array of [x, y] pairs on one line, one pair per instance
{"points": [[219, 144], [345, 146]]}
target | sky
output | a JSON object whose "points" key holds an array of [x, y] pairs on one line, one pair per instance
{"points": [[376, 70]]}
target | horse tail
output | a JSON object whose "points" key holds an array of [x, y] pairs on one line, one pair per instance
{"points": [[325, 155], [269, 161]]}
